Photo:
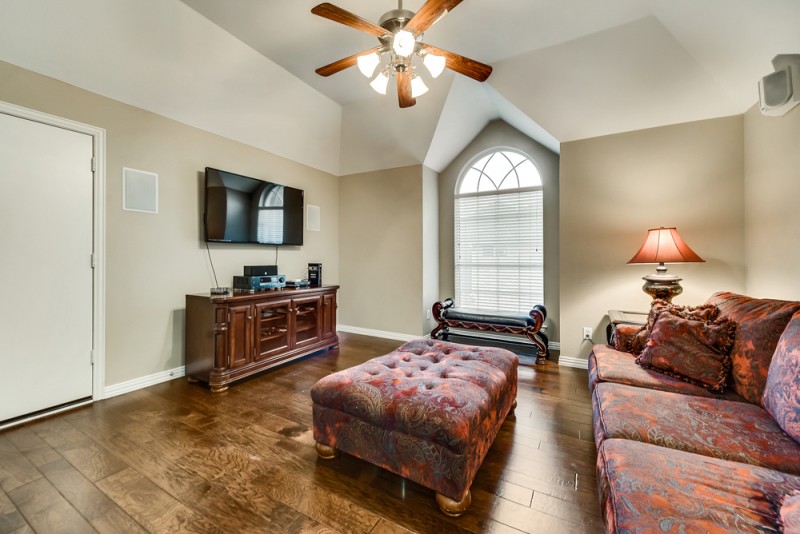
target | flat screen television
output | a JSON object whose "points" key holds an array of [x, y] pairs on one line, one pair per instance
{"points": [[246, 210]]}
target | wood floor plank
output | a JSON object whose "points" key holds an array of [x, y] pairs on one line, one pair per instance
{"points": [[152, 507], [15, 469], [46, 510], [10, 517], [84, 496]]}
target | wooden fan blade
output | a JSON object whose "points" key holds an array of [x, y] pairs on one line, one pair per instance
{"points": [[404, 90], [463, 65], [428, 14], [338, 66], [342, 16]]}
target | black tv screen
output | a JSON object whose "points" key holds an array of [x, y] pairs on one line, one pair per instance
{"points": [[246, 210]]}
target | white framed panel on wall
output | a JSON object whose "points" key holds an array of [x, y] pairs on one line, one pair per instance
{"points": [[139, 190]]}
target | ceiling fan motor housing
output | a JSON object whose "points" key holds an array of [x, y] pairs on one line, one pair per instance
{"points": [[395, 20]]}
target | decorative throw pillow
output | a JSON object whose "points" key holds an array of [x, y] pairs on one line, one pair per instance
{"points": [[790, 513], [781, 396], [704, 312], [691, 350]]}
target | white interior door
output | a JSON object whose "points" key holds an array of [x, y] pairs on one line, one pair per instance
{"points": [[46, 203]]}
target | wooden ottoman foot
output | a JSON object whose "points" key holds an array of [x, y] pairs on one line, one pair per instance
{"points": [[451, 507], [513, 407], [326, 452]]}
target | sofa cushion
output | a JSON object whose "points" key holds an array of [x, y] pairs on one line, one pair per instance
{"points": [[736, 431], [782, 392], [637, 343], [609, 365], [759, 325], [644, 488], [694, 351]]}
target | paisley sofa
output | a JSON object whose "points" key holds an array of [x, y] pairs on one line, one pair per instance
{"points": [[675, 454]]}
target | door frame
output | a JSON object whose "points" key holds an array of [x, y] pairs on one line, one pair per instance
{"points": [[98, 136]]}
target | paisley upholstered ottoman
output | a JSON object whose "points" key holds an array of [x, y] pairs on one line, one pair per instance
{"points": [[428, 411]]}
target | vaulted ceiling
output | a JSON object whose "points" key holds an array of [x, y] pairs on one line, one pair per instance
{"points": [[563, 69]]}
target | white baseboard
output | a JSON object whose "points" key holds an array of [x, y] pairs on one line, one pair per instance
{"points": [[568, 361], [143, 382], [376, 333]]}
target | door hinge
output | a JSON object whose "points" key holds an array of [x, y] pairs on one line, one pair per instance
{"points": [[92, 261], [91, 357], [94, 165]]}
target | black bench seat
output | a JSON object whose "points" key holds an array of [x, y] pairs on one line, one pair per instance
{"points": [[448, 316]]}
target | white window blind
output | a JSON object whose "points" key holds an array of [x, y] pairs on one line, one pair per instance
{"points": [[499, 258]]}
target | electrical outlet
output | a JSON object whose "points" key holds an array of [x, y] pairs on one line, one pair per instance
{"points": [[587, 332], [428, 313]]}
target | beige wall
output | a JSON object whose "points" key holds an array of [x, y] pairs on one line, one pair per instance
{"points": [[614, 188], [154, 260], [772, 216], [498, 134], [381, 250]]}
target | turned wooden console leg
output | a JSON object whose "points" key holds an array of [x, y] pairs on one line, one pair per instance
{"points": [[451, 507], [192, 380], [326, 452], [218, 389]]}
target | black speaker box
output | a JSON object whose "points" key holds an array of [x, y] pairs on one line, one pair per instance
{"points": [[260, 270], [315, 274]]}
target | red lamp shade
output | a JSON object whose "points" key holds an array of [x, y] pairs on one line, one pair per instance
{"points": [[664, 245]]}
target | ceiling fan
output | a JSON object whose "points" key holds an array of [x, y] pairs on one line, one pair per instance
{"points": [[400, 34]]}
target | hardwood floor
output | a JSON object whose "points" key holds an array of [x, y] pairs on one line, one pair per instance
{"points": [[175, 458]]}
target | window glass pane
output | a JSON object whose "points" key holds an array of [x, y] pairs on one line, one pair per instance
{"points": [[510, 181], [469, 183], [515, 157], [497, 168], [528, 175], [486, 184]]}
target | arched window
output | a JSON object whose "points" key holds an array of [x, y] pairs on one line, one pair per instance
{"points": [[499, 258]]}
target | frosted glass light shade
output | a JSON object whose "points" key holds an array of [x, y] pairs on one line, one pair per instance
{"points": [[380, 83], [367, 64], [404, 43], [434, 64], [418, 87]]}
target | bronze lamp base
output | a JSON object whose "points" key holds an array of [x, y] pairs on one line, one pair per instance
{"points": [[662, 286]]}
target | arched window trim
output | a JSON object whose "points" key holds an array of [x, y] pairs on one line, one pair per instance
{"points": [[471, 165]]}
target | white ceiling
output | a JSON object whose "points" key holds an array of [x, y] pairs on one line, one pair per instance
{"points": [[563, 69], [570, 68]]}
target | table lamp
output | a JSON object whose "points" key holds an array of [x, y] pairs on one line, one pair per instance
{"points": [[663, 245]]}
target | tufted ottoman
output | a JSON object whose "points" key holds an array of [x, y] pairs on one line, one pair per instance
{"points": [[428, 411]]}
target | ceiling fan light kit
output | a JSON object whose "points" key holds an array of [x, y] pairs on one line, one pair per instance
{"points": [[400, 33]]}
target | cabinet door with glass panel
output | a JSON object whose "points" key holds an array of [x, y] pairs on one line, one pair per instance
{"points": [[272, 328], [308, 320]]}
